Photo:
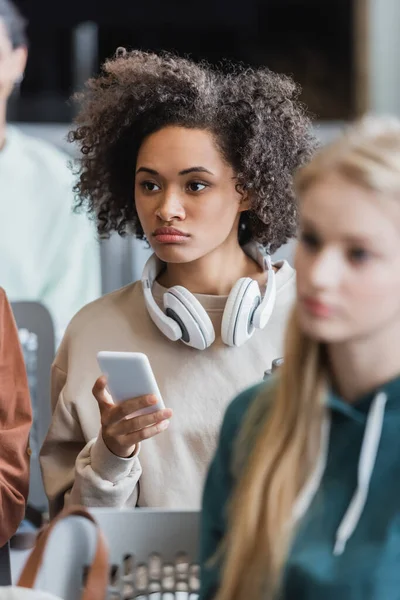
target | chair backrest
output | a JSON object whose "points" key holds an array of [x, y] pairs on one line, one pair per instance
{"points": [[34, 318], [136, 533], [5, 568]]}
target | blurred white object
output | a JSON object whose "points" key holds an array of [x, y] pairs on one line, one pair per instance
{"points": [[150, 552]]}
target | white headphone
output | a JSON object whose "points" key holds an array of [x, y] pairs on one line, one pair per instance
{"points": [[185, 318]]}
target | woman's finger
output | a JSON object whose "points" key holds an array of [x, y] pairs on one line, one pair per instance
{"points": [[102, 395], [128, 426], [126, 409], [146, 433]]}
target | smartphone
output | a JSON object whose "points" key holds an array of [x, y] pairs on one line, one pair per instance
{"points": [[130, 375]]}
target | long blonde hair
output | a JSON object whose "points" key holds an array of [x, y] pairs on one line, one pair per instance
{"points": [[260, 526]]}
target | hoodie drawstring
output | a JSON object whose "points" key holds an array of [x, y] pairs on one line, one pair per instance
{"points": [[366, 464]]}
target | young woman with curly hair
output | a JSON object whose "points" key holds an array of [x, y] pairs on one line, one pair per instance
{"points": [[198, 163]]}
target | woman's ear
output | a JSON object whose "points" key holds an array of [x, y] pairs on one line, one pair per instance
{"points": [[244, 203]]}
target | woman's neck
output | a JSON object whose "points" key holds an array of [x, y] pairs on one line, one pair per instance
{"points": [[361, 366], [214, 274]]}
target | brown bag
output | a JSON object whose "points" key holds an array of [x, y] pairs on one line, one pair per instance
{"points": [[97, 574]]}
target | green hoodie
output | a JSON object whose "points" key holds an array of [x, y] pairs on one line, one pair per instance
{"points": [[347, 543]]}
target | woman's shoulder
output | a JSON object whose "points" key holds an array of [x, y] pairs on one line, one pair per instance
{"points": [[248, 409], [285, 276], [8, 326], [36, 148], [3, 297], [5, 305], [239, 407], [118, 304], [103, 322]]}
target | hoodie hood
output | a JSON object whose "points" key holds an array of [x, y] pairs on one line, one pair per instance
{"points": [[370, 410]]}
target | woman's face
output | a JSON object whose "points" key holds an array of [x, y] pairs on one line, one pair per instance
{"points": [[12, 64], [348, 261], [185, 195]]}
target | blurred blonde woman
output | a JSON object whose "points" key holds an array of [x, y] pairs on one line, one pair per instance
{"points": [[302, 499]]}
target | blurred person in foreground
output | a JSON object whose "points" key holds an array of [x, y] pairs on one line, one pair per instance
{"points": [[302, 498], [48, 253], [15, 424]]}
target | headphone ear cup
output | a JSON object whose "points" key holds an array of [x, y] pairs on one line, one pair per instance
{"points": [[237, 327], [264, 311], [197, 328]]}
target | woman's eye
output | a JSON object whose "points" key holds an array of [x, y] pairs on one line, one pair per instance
{"points": [[149, 186], [310, 240], [359, 255], [196, 186]]}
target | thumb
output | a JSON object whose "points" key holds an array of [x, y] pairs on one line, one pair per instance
{"points": [[102, 395]]}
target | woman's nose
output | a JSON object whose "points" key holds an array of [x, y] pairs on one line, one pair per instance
{"points": [[171, 207], [325, 269]]}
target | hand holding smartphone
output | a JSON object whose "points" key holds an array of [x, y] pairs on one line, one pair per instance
{"points": [[129, 375], [137, 411]]}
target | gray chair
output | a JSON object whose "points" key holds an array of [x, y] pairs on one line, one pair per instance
{"points": [[5, 569], [34, 318]]}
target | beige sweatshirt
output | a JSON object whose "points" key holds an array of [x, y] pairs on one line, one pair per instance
{"points": [[170, 468]]}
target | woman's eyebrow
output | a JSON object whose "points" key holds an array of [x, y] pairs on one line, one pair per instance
{"points": [[147, 170], [195, 170]]}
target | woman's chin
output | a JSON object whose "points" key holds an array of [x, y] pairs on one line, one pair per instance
{"points": [[325, 331], [175, 253]]}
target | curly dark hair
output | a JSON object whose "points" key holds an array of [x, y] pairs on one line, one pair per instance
{"points": [[254, 115]]}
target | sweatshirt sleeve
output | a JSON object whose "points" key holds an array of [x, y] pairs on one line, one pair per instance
{"points": [[15, 424], [77, 471]]}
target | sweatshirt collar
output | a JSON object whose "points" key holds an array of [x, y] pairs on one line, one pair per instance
{"points": [[284, 274], [359, 409]]}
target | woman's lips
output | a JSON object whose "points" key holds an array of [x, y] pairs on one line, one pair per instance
{"points": [[317, 308], [169, 235]]}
